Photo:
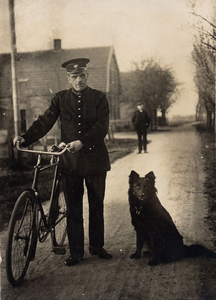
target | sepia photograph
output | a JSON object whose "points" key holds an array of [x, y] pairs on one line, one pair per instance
{"points": [[107, 150]]}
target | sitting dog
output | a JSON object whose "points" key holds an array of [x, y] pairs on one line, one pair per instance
{"points": [[154, 225]]}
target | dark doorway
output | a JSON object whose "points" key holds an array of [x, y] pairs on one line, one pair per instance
{"points": [[23, 120]]}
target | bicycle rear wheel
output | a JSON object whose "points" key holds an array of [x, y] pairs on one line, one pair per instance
{"points": [[21, 237], [59, 231]]}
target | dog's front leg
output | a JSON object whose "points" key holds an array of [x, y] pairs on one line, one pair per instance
{"points": [[139, 244]]}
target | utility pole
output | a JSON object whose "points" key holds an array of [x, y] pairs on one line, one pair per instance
{"points": [[13, 69]]}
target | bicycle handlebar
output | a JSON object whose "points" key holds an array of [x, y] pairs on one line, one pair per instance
{"points": [[42, 152]]}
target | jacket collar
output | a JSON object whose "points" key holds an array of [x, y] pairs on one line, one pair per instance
{"points": [[80, 93]]}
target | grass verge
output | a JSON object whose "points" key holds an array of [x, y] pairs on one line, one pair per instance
{"points": [[208, 153]]}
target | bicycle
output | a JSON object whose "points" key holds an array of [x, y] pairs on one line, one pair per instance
{"points": [[25, 227]]}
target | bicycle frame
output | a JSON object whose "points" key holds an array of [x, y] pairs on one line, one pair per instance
{"points": [[37, 170], [56, 177], [24, 229]]}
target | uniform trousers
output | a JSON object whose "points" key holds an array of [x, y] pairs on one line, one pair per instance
{"points": [[74, 189], [142, 139]]}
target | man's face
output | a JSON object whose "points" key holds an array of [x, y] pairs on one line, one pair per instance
{"points": [[78, 81], [140, 107]]}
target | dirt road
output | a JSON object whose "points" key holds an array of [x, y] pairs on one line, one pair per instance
{"points": [[174, 157]]}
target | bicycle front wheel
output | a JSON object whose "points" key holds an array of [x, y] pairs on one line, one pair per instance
{"points": [[21, 234], [60, 229]]}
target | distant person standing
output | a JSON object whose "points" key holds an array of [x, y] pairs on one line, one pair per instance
{"points": [[141, 122]]}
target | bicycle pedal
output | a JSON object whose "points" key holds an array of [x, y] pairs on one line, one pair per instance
{"points": [[59, 250]]}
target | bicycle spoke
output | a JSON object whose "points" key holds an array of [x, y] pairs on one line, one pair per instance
{"points": [[21, 242], [20, 238], [60, 229]]}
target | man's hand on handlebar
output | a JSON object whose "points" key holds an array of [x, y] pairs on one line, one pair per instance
{"points": [[74, 146], [57, 148], [62, 145], [18, 139]]}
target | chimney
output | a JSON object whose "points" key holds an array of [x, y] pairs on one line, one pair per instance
{"points": [[57, 44]]}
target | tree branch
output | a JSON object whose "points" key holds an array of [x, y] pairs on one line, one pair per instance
{"points": [[204, 19], [209, 46], [206, 32]]}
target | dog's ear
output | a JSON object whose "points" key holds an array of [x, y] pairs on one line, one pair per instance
{"points": [[133, 177], [151, 178], [150, 175]]}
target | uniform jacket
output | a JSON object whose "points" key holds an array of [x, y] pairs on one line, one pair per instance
{"points": [[84, 117], [141, 120]]}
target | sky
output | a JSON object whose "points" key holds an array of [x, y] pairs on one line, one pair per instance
{"points": [[162, 29]]}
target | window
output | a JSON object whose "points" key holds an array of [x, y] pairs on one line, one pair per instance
{"points": [[23, 120]]}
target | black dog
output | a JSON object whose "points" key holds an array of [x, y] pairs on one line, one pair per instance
{"points": [[154, 225]]}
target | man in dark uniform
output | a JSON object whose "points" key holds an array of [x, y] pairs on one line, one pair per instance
{"points": [[84, 116], [141, 122]]}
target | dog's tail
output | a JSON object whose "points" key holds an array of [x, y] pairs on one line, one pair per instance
{"points": [[198, 250]]}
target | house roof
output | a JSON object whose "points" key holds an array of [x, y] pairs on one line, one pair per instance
{"points": [[45, 71]]}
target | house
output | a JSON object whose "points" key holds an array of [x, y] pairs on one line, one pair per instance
{"points": [[40, 76]]}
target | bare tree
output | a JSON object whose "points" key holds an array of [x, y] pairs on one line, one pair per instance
{"points": [[152, 84], [204, 80], [204, 58]]}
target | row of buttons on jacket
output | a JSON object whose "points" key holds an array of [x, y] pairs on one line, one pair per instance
{"points": [[79, 116]]}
